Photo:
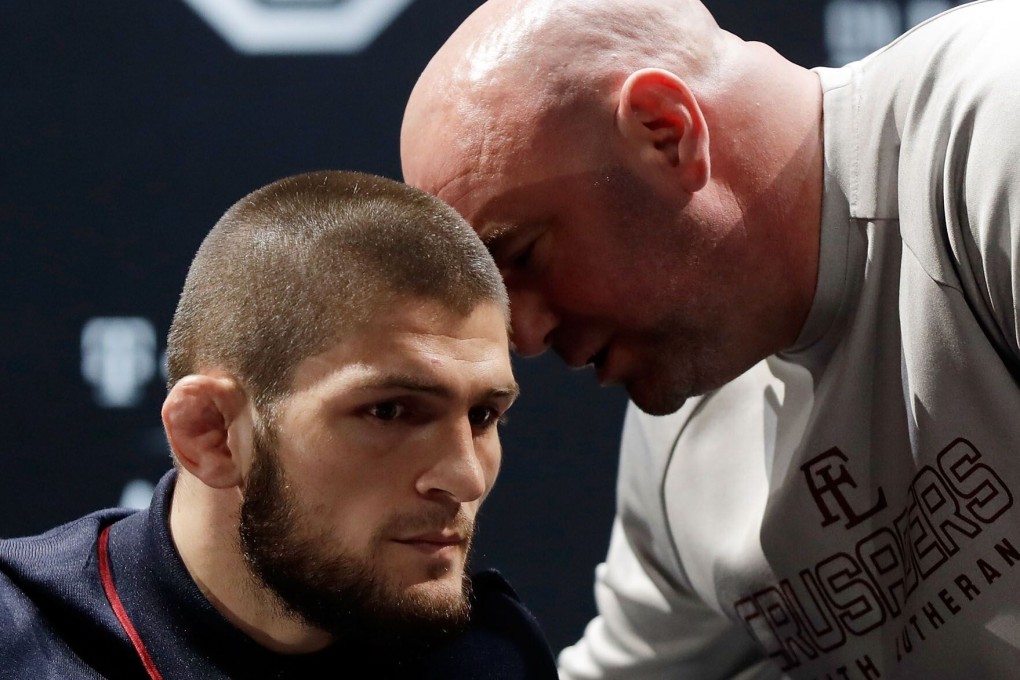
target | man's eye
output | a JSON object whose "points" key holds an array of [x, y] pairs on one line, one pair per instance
{"points": [[521, 259], [387, 410], [483, 417]]}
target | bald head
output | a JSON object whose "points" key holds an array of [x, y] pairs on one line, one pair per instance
{"points": [[632, 167], [516, 63]]}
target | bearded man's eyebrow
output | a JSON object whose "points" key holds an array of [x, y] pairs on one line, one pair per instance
{"points": [[415, 383]]}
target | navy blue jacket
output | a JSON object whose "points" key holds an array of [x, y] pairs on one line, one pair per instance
{"points": [[56, 621]]}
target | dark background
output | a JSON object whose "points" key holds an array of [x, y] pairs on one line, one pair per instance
{"points": [[127, 128]]}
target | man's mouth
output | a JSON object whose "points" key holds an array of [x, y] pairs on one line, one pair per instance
{"points": [[435, 546], [435, 543]]}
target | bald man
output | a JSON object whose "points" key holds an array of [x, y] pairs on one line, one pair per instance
{"points": [[806, 280]]}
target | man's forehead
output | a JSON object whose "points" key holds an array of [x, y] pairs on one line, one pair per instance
{"points": [[468, 143], [450, 162], [499, 206], [480, 203], [388, 373], [461, 189], [412, 336]]}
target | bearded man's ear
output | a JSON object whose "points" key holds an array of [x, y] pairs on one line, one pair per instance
{"points": [[208, 425]]}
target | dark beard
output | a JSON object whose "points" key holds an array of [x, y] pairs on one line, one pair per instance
{"points": [[332, 591]]}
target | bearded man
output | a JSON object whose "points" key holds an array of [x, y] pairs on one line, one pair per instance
{"points": [[338, 364]]}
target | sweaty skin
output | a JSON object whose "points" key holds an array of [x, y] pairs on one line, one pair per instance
{"points": [[649, 184]]}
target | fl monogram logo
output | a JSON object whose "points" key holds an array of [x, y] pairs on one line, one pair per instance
{"points": [[830, 483]]}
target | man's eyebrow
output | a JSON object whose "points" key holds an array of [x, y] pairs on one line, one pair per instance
{"points": [[511, 391], [414, 383], [494, 236]]}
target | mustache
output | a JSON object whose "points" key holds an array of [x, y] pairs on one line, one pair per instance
{"points": [[430, 520]]}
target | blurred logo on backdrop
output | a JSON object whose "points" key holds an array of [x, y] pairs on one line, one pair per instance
{"points": [[299, 26], [118, 359]]}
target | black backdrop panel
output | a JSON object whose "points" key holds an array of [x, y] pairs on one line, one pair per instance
{"points": [[127, 128]]}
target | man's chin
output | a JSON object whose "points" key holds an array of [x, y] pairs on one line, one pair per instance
{"points": [[431, 597], [404, 624], [663, 388], [399, 620], [425, 612], [656, 399]]}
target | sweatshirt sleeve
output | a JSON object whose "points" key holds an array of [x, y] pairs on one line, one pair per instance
{"points": [[981, 191], [650, 624]]}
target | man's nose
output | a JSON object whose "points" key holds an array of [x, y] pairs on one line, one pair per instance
{"points": [[533, 322], [458, 471]]}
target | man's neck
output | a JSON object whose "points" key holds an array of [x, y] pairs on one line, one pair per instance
{"points": [[204, 528], [772, 158]]}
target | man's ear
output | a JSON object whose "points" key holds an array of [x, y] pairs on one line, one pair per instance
{"points": [[659, 113], [208, 425]]}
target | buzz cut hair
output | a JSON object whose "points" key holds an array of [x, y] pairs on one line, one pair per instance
{"points": [[293, 267]]}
